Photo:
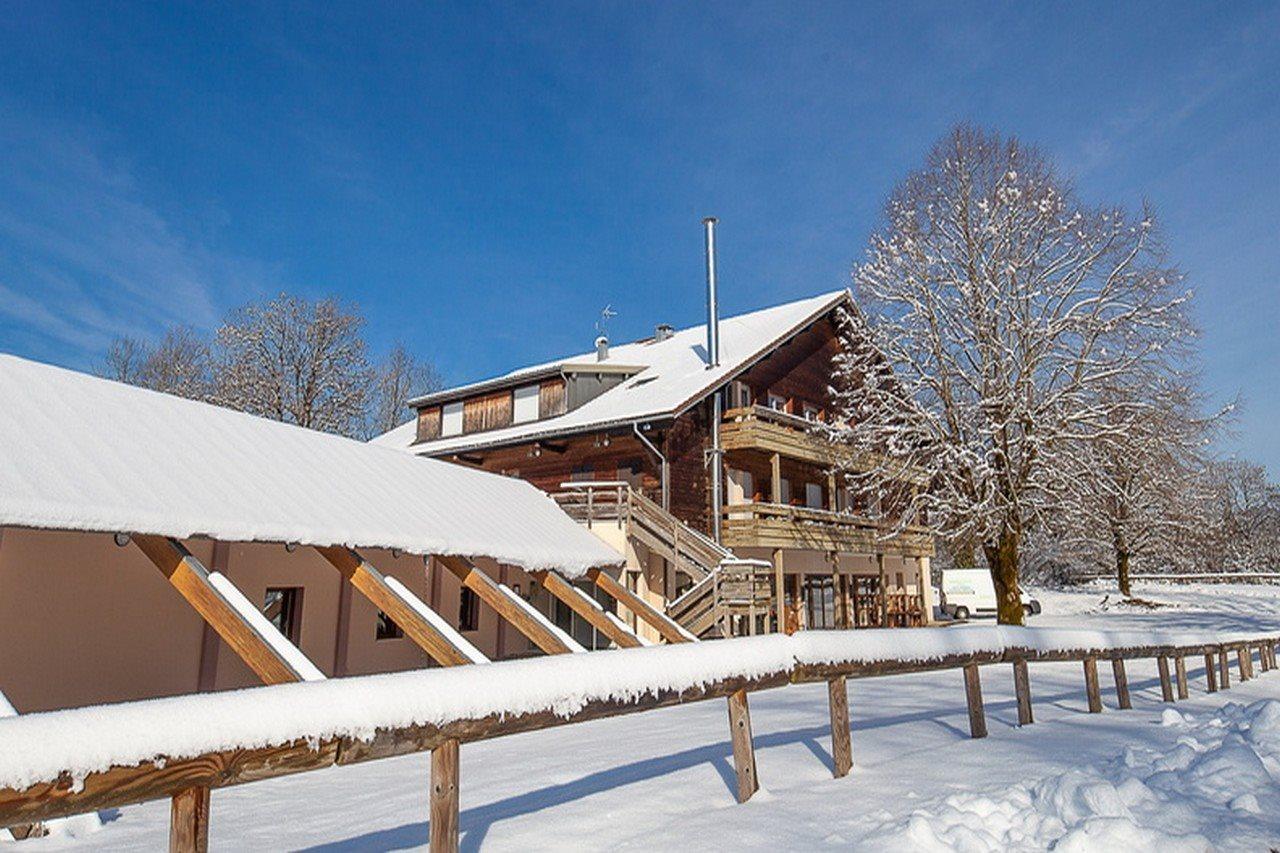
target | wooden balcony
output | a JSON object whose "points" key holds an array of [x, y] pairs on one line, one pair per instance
{"points": [[765, 525]]}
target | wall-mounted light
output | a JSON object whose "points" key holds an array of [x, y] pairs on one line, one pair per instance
{"points": [[290, 547], [122, 539]]}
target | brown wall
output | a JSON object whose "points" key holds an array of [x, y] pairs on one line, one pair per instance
{"points": [[84, 621]]}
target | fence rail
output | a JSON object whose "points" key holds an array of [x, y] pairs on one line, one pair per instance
{"points": [[731, 668]]}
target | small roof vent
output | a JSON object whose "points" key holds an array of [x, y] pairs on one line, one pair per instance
{"points": [[602, 348], [663, 332]]}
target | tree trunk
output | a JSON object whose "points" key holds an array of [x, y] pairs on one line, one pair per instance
{"points": [[1002, 560], [1122, 572]]}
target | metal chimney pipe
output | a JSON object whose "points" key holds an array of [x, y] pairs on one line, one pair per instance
{"points": [[713, 304], [715, 454]]}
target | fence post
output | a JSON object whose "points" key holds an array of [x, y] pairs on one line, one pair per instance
{"points": [[841, 748], [1210, 674], [444, 798], [1022, 689], [744, 755], [1166, 687], [1091, 691], [1242, 663], [973, 696], [1122, 684], [1180, 670], [189, 821], [1224, 669]]}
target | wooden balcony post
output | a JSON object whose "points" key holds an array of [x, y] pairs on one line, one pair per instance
{"points": [[775, 485], [973, 698], [1210, 674], [1091, 689], [444, 798], [1180, 670], [884, 592], [1022, 691], [841, 747], [1123, 700], [189, 821]]}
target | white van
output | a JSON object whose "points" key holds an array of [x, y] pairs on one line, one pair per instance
{"points": [[970, 592]]}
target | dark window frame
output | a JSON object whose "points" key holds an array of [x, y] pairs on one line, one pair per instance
{"points": [[288, 621], [387, 628], [468, 610]]}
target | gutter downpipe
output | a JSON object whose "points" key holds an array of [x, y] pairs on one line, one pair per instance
{"points": [[715, 454], [666, 470]]}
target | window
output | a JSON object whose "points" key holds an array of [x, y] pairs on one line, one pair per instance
{"points": [[387, 628], [785, 497], [526, 405], [813, 495], [777, 403], [582, 474], [451, 419], [283, 608], [739, 395], [468, 611], [810, 412]]}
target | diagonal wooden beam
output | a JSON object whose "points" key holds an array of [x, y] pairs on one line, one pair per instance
{"points": [[670, 630], [586, 607], [504, 604], [433, 635], [250, 638]]}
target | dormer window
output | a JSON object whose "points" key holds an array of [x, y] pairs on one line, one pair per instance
{"points": [[451, 420], [526, 404]]}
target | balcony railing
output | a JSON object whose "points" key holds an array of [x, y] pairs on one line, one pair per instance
{"points": [[767, 525]]}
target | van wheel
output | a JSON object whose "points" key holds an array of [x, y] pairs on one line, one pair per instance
{"points": [[962, 613]]}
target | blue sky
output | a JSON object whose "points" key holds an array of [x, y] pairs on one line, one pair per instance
{"points": [[483, 179]]}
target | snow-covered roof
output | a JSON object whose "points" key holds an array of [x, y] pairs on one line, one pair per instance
{"points": [[82, 453], [670, 375]]}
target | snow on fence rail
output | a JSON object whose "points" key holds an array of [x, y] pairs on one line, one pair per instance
{"points": [[67, 762]]}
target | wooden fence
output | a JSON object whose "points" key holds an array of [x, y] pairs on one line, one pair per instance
{"points": [[186, 779]]}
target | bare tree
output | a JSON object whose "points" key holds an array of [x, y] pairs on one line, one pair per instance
{"points": [[996, 306], [397, 380], [295, 360], [179, 364], [1246, 535]]}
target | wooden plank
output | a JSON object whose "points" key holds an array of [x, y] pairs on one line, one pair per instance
{"points": [[1180, 670], [1210, 674], [841, 747], [667, 628], [191, 579], [189, 821], [1123, 699], [1022, 692], [1224, 670], [744, 753], [973, 698], [493, 595], [373, 585], [1091, 688], [444, 798], [594, 615], [1166, 687]]}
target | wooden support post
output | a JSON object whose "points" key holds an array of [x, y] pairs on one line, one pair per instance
{"points": [[973, 697], [1166, 687], [444, 798], [1263, 663], [660, 622], [1180, 670], [579, 602], [884, 593], [1092, 691], [779, 593], [1210, 674], [487, 589], [1242, 663], [373, 585], [1123, 699], [841, 748], [191, 579], [1022, 691], [1224, 670], [189, 821], [744, 754]]}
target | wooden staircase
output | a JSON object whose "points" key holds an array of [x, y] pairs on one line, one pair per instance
{"points": [[729, 596]]}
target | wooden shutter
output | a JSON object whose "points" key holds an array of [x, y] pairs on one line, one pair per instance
{"points": [[429, 424], [488, 412], [552, 399]]}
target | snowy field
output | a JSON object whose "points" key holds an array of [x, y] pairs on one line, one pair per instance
{"points": [[1203, 776]]}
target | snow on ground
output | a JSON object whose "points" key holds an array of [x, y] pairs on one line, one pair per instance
{"points": [[1199, 775]]}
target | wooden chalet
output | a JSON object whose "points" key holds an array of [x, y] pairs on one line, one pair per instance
{"points": [[624, 438]]}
